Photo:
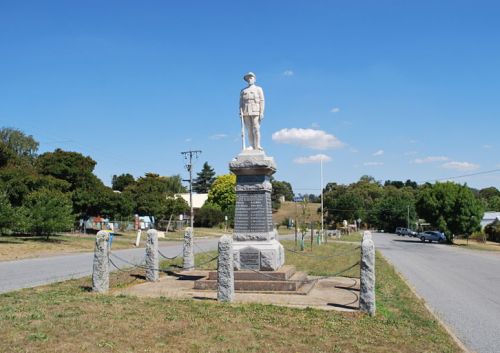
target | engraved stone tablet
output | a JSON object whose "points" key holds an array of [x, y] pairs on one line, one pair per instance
{"points": [[250, 258]]}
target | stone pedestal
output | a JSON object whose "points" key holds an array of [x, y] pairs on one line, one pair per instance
{"points": [[255, 245]]}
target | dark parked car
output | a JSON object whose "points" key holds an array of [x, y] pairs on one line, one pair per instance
{"points": [[432, 235], [406, 231]]}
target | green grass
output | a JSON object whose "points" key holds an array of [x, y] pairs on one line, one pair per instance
{"points": [[66, 317]]}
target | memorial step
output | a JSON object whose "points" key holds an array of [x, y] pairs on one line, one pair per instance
{"points": [[282, 274], [296, 284]]}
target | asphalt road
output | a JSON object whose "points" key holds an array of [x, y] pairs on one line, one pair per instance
{"points": [[34, 272], [462, 286]]}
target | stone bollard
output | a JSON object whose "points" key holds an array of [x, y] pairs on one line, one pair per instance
{"points": [[367, 235], [225, 271], [187, 251], [152, 259], [100, 272], [367, 278]]}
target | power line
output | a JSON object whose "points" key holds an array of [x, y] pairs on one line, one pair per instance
{"points": [[463, 175]]}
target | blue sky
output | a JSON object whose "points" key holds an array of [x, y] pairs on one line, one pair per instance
{"points": [[394, 89]]}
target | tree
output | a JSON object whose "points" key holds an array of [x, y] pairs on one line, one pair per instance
{"points": [[280, 188], [223, 192], [151, 194], [22, 145], [48, 211], [392, 209], [18, 182], [8, 215], [73, 167], [204, 180], [120, 182], [451, 207]]}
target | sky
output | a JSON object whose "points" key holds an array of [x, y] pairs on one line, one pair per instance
{"points": [[393, 89]]}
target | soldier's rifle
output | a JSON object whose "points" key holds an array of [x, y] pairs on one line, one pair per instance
{"points": [[242, 133]]}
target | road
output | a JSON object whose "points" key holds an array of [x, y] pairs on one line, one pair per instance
{"points": [[34, 272], [462, 286]]}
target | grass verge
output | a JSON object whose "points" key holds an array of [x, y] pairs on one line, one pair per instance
{"points": [[66, 317]]}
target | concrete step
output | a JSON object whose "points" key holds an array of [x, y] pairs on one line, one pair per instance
{"points": [[292, 286], [283, 274]]}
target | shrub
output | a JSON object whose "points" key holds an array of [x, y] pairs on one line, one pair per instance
{"points": [[492, 231], [209, 215], [48, 211], [479, 236]]}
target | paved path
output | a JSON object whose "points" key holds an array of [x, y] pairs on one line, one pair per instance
{"points": [[462, 286], [34, 272]]}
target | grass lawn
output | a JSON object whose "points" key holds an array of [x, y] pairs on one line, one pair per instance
{"points": [[66, 317], [22, 247]]}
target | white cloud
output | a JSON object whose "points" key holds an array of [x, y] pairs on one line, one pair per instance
{"points": [[412, 141], [288, 73], [378, 153], [430, 159], [313, 159], [353, 150], [461, 166], [335, 110], [487, 146], [189, 139], [373, 164], [218, 136], [311, 138], [410, 153]]}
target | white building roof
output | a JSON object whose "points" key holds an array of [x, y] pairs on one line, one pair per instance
{"points": [[489, 217]]}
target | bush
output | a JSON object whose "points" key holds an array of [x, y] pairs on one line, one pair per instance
{"points": [[48, 211], [480, 237], [209, 215], [492, 231]]}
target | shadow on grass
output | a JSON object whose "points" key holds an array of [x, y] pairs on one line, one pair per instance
{"points": [[204, 298], [19, 239], [343, 306]]}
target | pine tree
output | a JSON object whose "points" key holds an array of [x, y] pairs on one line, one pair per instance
{"points": [[205, 179]]}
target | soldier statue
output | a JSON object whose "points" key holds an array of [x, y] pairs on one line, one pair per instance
{"points": [[251, 112]]}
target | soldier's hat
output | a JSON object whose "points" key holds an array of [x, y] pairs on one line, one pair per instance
{"points": [[248, 75]]}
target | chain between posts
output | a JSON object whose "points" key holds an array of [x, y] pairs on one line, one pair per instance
{"points": [[169, 258]]}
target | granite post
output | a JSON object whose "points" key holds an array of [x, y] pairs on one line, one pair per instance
{"points": [[187, 250], [255, 244], [152, 258], [367, 235], [367, 278], [100, 271], [225, 271]]}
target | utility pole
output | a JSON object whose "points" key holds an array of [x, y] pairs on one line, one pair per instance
{"points": [[188, 158], [408, 217], [322, 212]]}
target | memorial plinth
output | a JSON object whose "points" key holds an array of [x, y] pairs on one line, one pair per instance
{"points": [[255, 245]]}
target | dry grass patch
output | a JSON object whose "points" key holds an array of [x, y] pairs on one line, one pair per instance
{"points": [[66, 317], [291, 209], [473, 244]]}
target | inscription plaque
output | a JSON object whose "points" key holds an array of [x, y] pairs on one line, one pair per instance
{"points": [[250, 258]]}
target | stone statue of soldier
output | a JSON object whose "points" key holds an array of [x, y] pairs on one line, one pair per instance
{"points": [[251, 111]]}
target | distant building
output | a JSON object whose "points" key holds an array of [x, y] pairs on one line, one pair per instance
{"points": [[198, 199], [489, 217]]}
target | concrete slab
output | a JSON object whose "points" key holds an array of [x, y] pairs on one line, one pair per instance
{"points": [[333, 293]]}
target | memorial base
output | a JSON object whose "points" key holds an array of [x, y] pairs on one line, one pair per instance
{"points": [[258, 255]]}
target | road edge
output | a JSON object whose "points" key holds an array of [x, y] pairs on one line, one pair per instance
{"points": [[429, 309]]}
